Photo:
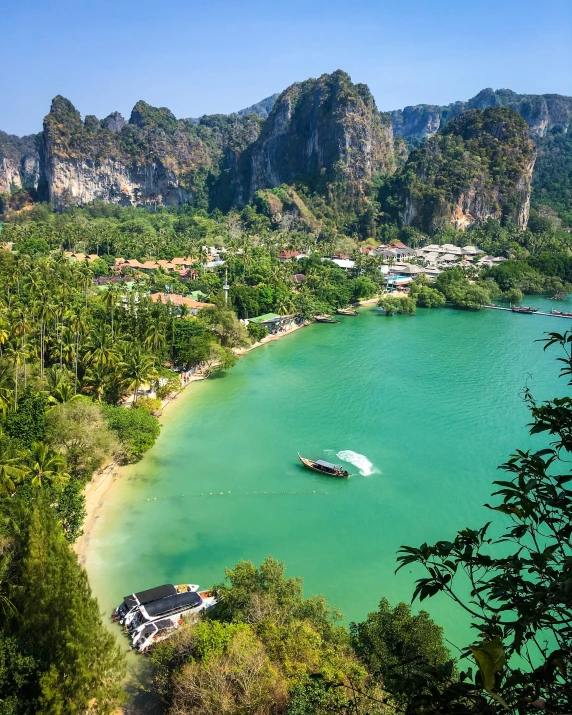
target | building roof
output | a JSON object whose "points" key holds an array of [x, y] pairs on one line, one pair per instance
{"points": [[289, 254], [178, 300], [298, 277], [265, 318]]}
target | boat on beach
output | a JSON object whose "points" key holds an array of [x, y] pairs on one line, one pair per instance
{"points": [[323, 467], [346, 311], [325, 318]]}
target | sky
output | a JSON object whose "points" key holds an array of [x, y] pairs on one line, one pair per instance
{"points": [[218, 56]]}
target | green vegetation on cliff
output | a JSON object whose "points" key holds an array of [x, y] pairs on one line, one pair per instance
{"points": [[478, 166]]}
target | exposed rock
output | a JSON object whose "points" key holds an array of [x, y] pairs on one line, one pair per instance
{"points": [[114, 122], [152, 159], [541, 112], [262, 109], [19, 162], [326, 133], [478, 167]]}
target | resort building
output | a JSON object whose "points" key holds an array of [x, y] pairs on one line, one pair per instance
{"points": [[273, 322], [193, 306]]}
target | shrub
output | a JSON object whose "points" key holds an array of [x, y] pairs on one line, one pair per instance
{"points": [[149, 404], [257, 332], [136, 430]]}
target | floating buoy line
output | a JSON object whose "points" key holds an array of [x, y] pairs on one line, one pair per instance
{"points": [[227, 494]]}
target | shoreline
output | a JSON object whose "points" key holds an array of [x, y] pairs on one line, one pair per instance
{"points": [[98, 491]]}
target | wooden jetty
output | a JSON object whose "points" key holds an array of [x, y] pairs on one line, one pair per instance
{"points": [[536, 312]]}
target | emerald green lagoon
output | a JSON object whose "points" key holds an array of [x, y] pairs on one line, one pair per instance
{"points": [[421, 409]]}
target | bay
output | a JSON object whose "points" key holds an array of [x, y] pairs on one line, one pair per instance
{"points": [[422, 409]]}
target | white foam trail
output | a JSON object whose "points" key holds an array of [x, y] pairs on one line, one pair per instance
{"points": [[365, 467]]}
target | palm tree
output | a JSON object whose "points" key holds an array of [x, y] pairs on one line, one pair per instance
{"points": [[110, 300], [47, 466], [4, 335], [12, 469], [136, 367], [78, 324], [96, 380], [155, 337], [17, 354], [100, 350]]}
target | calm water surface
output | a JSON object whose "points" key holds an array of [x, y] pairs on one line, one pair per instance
{"points": [[424, 408]]}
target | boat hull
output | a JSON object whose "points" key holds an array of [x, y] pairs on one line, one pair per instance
{"points": [[310, 464]]}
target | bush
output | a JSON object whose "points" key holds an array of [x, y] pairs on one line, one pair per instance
{"points": [[257, 332], [136, 430], [149, 404]]}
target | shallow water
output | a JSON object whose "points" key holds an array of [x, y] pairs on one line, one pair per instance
{"points": [[421, 409]]}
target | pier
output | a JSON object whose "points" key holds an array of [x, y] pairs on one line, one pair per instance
{"points": [[536, 312]]}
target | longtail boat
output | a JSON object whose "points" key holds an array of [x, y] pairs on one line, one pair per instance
{"points": [[327, 468], [524, 309], [325, 319]]}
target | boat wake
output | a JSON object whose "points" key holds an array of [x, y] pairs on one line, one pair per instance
{"points": [[364, 466]]}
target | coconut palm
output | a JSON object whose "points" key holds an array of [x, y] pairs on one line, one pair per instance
{"points": [[136, 368], [100, 350], [96, 380], [155, 337], [12, 469], [47, 466]]}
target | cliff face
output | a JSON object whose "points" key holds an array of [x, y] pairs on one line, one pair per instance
{"points": [[542, 112], [19, 162], [151, 159], [478, 167], [325, 133]]}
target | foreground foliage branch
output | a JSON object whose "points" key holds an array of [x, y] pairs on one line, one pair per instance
{"points": [[520, 582]]}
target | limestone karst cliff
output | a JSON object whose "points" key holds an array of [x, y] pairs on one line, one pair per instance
{"points": [[479, 166], [151, 159], [542, 112], [19, 162], [324, 137], [325, 133]]}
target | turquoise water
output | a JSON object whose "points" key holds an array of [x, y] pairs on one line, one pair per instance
{"points": [[429, 405]]}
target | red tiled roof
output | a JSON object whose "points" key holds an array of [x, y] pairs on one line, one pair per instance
{"points": [[176, 299]]}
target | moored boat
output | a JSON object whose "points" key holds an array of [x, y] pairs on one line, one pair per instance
{"points": [[323, 467], [130, 605], [524, 309], [346, 311], [181, 605], [325, 318]]}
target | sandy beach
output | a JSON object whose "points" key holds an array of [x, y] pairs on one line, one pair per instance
{"points": [[100, 491]]}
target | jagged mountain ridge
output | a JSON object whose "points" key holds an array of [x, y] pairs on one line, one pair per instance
{"points": [[542, 112], [324, 133]]}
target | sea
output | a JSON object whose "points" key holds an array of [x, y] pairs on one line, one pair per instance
{"points": [[421, 410]]}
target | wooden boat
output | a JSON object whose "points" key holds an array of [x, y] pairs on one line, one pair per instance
{"points": [[346, 311], [327, 468], [524, 309], [325, 319]]}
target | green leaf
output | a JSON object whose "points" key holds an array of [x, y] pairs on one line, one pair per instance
{"points": [[490, 658]]}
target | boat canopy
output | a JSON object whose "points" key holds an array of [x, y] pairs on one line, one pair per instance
{"points": [[172, 604], [151, 594], [328, 465]]}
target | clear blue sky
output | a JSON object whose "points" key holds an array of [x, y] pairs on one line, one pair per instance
{"points": [[223, 55]]}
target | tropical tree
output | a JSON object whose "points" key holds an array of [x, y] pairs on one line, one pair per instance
{"points": [[12, 467], [47, 467], [136, 367]]}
